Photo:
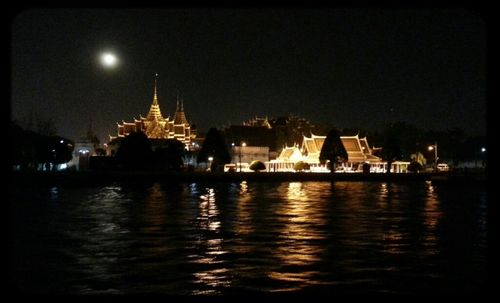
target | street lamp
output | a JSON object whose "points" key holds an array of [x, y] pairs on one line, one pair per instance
{"points": [[233, 153], [483, 156], [435, 148], [243, 144], [210, 159]]}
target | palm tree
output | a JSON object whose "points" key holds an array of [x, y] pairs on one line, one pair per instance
{"points": [[419, 158]]}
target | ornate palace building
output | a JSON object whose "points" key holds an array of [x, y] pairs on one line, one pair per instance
{"points": [[358, 152], [155, 126]]}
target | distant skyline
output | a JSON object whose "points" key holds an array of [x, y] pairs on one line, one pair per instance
{"points": [[349, 67]]}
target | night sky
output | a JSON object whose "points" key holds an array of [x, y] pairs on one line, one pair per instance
{"points": [[350, 67]]}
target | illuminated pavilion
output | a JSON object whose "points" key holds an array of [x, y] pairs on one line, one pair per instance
{"points": [[358, 152], [155, 126]]}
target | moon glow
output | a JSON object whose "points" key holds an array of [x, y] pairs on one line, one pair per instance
{"points": [[108, 60]]}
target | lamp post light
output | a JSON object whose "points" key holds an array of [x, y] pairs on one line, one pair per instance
{"points": [[483, 156], [435, 148], [243, 144], [233, 154], [210, 159]]}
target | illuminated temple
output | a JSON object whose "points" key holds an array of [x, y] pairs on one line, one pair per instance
{"points": [[155, 126], [358, 152]]}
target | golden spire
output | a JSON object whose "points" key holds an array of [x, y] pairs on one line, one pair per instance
{"points": [[155, 98], [154, 111], [180, 116], [178, 107]]}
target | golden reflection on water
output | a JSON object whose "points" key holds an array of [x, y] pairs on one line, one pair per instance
{"points": [[243, 188], [302, 225], [394, 240], [209, 246], [213, 278], [296, 191], [383, 195], [243, 222], [432, 215], [209, 212]]}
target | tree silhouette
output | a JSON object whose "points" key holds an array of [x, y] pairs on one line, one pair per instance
{"points": [[36, 123], [170, 156], [93, 138], [29, 149], [419, 158], [333, 150], [100, 151], [301, 166], [23, 152], [135, 152], [214, 146], [415, 167], [453, 147], [61, 149], [391, 150], [257, 165]]}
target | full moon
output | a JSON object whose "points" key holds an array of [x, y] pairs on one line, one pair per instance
{"points": [[109, 60]]}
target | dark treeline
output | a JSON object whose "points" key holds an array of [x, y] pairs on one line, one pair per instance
{"points": [[454, 145], [136, 153], [31, 150], [404, 139], [214, 147]]}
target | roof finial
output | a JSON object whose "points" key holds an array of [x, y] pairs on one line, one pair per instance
{"points": [[155, 98], [177, 107]]}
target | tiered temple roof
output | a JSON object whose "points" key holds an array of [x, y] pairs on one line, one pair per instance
{"points": [[290, 154], [180, 116], [258, 122], [155, 126], [154, 110], [311, 147], [358, 150]]}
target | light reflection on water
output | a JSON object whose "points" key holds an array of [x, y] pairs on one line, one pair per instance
{"points": [[101, 232], [209, 247], [302, 229], [243, 219], [206, 239]]}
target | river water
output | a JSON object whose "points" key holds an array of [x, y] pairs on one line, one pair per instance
{"points": [[250, 237]]}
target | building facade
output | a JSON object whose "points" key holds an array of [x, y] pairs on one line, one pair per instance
{"points": [[248, 154]]}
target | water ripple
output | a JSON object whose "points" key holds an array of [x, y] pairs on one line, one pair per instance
{"points": [[222, 238]]}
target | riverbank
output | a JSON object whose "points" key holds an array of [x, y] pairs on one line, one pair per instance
{"points": [[100, 177]]}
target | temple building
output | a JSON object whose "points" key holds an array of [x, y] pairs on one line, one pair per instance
{"points": [[358, 152], [273, 133], [156, 126], [258, 122]]}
